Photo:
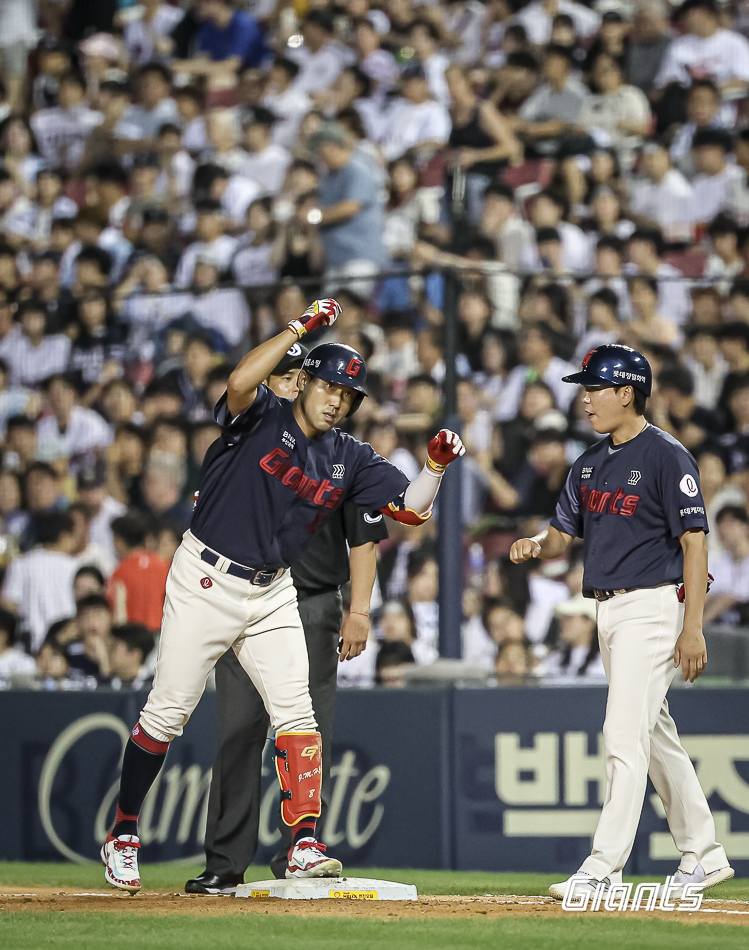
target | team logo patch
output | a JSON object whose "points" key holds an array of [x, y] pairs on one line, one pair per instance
{"points": [[206, 582], [587, 471], [688, 485], [339, 471], [310, 752], [634, 477]]}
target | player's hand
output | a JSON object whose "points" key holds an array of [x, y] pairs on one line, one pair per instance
{"points": [[353, 637], [320, 313], [524, 549], [690, 653], [444, 448]]}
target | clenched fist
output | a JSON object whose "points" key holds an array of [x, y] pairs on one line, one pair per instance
{"points": [[321, 313], [444, 448], [524, 549]]}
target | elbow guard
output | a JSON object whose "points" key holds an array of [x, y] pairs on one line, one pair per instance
{"points": [[398, 511]]}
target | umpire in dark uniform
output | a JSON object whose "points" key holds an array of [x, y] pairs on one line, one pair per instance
{"points": [[344, 547]]}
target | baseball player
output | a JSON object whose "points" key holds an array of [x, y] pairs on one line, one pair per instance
{"points": [[634, 498], [234, 801], [275, 475]]}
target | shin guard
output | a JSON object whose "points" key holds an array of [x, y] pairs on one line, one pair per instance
{"points": [[299, 768]]}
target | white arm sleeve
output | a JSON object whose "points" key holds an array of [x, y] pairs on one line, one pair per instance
{"points": [[420, 494]]}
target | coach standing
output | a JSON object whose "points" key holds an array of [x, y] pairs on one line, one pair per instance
{"points": [[634, 498], [234, 800]]}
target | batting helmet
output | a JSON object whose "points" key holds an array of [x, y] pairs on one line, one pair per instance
{"points": [[613, 364], [338, 363]]}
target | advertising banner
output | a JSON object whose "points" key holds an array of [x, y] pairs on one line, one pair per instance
{"points": [[488, 779]]}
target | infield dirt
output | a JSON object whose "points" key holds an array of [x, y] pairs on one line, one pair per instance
{"points": [[166, 903]]}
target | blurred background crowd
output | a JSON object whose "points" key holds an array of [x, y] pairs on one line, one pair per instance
{"points": [[178, 180]]}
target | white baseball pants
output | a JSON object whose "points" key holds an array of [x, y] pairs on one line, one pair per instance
{"points": [[206, 611], [637, 633]]}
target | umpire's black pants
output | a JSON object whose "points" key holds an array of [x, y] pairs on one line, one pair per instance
{"points": [[234, 799]]}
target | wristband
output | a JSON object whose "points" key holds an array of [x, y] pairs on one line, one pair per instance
{"points": [[434, 467]]}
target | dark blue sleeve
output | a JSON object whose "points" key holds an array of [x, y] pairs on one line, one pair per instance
{"points": [[680, 492], [568, 516], [376, 481], [264, 403]]}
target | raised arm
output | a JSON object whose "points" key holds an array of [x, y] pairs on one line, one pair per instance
{"points": [[258, 364]]}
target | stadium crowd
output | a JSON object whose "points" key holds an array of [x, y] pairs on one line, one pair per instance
{"points": [[178, 180]]}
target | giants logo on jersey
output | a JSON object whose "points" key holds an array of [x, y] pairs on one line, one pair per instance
{"points": [[608, 502], [276, 463]]}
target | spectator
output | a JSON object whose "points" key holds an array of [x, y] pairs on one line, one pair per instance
{"points": [[548, 118], [705, 51], [88, 580], [649, 43], [38, 586], [130, 645], [665, 200], [70, 431], [645, 249], [32, 355], [13, 661], [422, 596], [618, 115], [715, 175], [538, 16], [136, 586], [350, 213], [52, 668], [286, 101], [416, 124], [704, 111], [265, 162], [61, 131], [539, 362], [210, 226], [93, 492], [318, 59], [577, 654], [88, 655], [729, 595], [156, 104]]}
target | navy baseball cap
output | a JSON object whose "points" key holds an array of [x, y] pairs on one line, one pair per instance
{"points": [[613, 364], [339, 363], [294, 356]]}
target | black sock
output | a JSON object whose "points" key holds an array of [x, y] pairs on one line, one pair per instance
{"points": [[139, 770], [305, 829]]}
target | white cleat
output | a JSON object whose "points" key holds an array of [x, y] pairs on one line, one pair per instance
{"points": [[120, 859], [700, 879], [577, 885], [307, 858]]}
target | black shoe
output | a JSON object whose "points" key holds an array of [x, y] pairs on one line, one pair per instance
{"points": [[207, 883], [278, 864]]}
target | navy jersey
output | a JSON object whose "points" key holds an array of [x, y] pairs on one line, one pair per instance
{"points": [[630, 504], [266, 488]]}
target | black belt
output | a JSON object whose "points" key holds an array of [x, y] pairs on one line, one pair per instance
{"points": [[607, 594], [258, 578], [594, 593]]}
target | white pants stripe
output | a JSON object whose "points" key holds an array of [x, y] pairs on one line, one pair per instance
{"points": [[200, 623], [637, 633]]}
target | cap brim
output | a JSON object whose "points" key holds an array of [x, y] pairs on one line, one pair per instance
{"points": [[586, 379]]}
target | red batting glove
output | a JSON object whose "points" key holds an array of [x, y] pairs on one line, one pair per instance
{"points": [[444, 448], [321, 313]]}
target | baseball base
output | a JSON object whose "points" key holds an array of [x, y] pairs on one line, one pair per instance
{"points": [[350, 888]]}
